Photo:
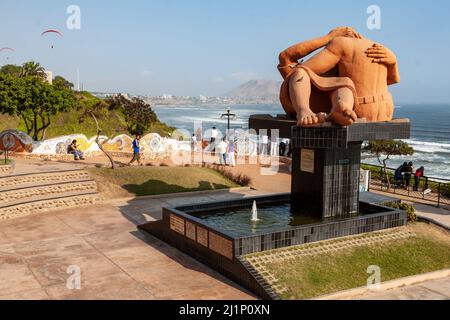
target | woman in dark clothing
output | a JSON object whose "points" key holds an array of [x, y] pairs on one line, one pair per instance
{"points": [[408, 174], [398, 176]]}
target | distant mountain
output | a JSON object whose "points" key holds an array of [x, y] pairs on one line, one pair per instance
{"points": [[256, 90]]}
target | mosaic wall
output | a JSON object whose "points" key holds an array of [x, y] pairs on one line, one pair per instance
{"points": [[17, 141]]}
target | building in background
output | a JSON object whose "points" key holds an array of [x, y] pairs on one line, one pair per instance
{"points": [[49, 77]]}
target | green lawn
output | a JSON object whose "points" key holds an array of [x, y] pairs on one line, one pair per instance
{"points": [[326, 273], [144, 181]]}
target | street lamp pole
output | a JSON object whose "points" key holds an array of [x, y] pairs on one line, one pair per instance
{"points": [[230, 116]]}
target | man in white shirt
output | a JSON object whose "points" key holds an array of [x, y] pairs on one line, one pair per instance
{"points": [[222, 149], [194, 143], [214, 135], [264, 143]]}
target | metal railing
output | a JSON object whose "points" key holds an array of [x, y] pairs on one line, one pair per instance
{"points": [[436, 190]]}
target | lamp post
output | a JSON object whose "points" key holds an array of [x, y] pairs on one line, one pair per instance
{"points": [[229, 116]]}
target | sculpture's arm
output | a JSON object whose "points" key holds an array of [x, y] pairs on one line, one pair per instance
{"points": [[290, 57], [383, 55], [393, 74], [328, 58]]}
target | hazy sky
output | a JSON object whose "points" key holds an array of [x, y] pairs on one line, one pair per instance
{"points": [[192, 47]]}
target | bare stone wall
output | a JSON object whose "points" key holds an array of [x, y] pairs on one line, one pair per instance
{"points": [[20, 195], [44, 178], [47, 205]]}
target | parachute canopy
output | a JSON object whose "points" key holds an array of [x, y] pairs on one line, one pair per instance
{"points": [[51, 31], [6, 49]]}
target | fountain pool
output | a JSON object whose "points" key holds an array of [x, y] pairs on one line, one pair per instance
{"points": [[238, 222]]}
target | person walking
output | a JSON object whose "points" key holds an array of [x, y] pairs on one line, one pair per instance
{"points": [[420, 173], [73, 149], [408, 170], [222, 148], [264, 145], [214, 135], [289, 148], [231, 154], [136, 151], [283, 147], [194, 143]]}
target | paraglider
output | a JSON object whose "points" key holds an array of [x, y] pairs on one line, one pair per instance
{"points": [[51, 31], [7, 49]]}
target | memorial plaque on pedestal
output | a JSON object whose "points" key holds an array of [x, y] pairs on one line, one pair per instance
{"points": [[307, 160]]}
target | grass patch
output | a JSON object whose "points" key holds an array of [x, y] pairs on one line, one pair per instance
{"points": [[145, 181], [313, 276], [4, 162]]}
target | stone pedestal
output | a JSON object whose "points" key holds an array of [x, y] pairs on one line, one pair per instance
{"points": [[326, 161], [325, 181]]}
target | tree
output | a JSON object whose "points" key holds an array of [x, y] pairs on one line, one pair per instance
{"points": [[34, 101], [32, 69], [60, 82], [11, 69], [388, 148], [95, 112], [138, 115], [10, 91]]}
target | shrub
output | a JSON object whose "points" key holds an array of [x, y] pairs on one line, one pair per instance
{"points": [[240, 179], [410, 210]]}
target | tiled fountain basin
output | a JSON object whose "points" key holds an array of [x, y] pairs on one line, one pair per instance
{"points": [[186, 228]]}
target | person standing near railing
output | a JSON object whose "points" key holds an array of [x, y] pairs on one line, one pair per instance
{"points": [[408, 170], [419, 175], [398, 175]]}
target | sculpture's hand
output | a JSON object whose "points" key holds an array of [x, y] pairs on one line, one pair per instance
{"points": [[381, 55], [343, 32]]}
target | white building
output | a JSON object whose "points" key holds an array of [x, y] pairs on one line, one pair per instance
{"points": [[49, 77]]}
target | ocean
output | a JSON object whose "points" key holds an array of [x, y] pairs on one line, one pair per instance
{"points": [[430, 136]]}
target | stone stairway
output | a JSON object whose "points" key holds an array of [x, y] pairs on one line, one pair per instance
{"points": [[33, 193]]}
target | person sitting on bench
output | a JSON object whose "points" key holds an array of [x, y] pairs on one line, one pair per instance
{"points": [[73, 149]]}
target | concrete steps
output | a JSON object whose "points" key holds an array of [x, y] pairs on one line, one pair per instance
{"points": [[33, 179], [34, 193]]}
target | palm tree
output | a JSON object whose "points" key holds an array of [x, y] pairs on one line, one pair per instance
{"points": [[33, 69]]}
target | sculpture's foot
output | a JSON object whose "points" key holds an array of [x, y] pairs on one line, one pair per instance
{"points": [[309, 118], [343, 118]]}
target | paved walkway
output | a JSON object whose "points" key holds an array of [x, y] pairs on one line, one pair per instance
{"points": [[26, 166], [439, 215], [428, 290], [116, 260], [119, 262], [427, 211]]}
